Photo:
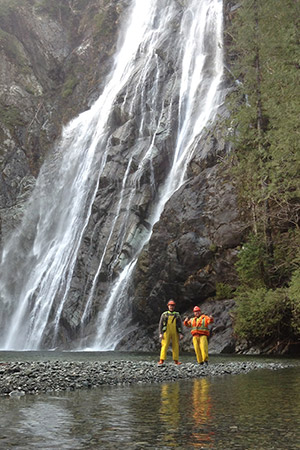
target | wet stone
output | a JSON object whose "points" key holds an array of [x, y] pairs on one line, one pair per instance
{"points": [[24, 378]]}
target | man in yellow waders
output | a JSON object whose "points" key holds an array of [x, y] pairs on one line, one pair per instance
{"points": [[200, 332], [170, 329]]}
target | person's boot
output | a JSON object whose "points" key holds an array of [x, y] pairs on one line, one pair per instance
{"points": [[177, 362], [160, 362]]}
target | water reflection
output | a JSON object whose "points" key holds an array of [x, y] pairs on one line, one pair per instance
{"points": [[31, 423], [260, 410], [201, 409], [46, 421], [169, 413]]}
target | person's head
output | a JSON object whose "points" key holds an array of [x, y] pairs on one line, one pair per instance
{"points": [[197, 311], [171, 305]]}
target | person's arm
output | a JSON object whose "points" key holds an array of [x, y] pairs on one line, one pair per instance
{"points": [[179, 326], [187, 322], [210, 321], [160, 326]]}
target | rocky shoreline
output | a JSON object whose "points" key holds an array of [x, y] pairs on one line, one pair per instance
{"points": [[20, 378]]}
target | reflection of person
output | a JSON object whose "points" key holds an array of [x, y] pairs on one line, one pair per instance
{"points": [[202, 437], [169, 408], [200, 331], [170, 330], [168, 420]]}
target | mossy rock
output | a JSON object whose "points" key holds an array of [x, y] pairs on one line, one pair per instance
{"points": [[6, 6], [11, 116], [104, 23], [56, 9], [14, 51], [69, 86]]}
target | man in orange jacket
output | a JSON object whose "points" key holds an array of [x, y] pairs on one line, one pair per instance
{"points": [[200, 331]]}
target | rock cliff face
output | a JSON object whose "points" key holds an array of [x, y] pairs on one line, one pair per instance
{"points": [[55, 59], [192, 249]]}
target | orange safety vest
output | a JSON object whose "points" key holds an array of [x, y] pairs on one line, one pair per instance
{"points": [[200, 325]]}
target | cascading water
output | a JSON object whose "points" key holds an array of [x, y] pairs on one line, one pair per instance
{"points": [[99, 195]]}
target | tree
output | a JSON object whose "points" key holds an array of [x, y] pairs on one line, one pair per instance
{"points": [[265, 166], [265, 109]]}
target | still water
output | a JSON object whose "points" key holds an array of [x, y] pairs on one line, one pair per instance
{"points": [[259, 410]]}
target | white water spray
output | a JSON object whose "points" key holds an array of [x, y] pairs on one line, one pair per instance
{"points": [[200, 98], [39, 261]]}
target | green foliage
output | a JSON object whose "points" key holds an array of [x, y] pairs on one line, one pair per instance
{"points": [[99, 20], [69, 86], [265, 165], [265, 108], [251, 263], [223, 291], [294, 295], [104, 22], [279, 308], [262, 314], [213, 248], [11, 116], [30, 90], [286, 258], [256, 269]]}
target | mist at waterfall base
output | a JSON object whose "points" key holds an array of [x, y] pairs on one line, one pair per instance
{"points": [[162, 93]]}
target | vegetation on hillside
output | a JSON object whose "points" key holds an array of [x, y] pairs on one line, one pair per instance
{"points": [[265, 104]]}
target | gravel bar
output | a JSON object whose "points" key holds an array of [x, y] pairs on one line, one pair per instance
{"points": [[20, 378]]}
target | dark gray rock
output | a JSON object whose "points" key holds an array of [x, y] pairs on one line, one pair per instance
{"points": [[18, 379], [221, 339], [193, 246]]}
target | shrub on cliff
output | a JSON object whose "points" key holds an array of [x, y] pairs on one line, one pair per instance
{"points": [[262, 314], [266, 311], [294, 295]]}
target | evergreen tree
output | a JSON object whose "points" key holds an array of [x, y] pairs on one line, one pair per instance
{"points": [[265, 108], [266, 162]]}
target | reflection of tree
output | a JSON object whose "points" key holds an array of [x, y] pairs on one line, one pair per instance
{"points": [[169, 412], [202, 436]]}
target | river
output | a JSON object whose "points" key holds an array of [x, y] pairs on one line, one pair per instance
{"points": [[258, 410]]}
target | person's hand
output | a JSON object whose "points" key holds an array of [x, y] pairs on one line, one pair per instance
{"points": [[160, 336], [180, 336]]}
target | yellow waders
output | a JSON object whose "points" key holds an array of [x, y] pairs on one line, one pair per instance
{"points": [[170, 335], [201, 348]]}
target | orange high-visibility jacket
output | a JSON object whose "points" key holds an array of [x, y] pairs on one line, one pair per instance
{"points": [[199, 325]]}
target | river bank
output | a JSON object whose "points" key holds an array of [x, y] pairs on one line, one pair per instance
{"points": [[20, 378]]}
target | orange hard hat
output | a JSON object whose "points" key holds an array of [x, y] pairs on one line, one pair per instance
{"points": [[196, 308], [171, 302]]}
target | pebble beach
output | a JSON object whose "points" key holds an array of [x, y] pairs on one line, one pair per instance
{"points": [[21, 378]]}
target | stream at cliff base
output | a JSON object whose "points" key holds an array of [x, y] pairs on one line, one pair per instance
{"points": [[258, 410]]}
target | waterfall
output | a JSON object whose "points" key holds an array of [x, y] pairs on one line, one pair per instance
{"points": [[103, 188]]}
